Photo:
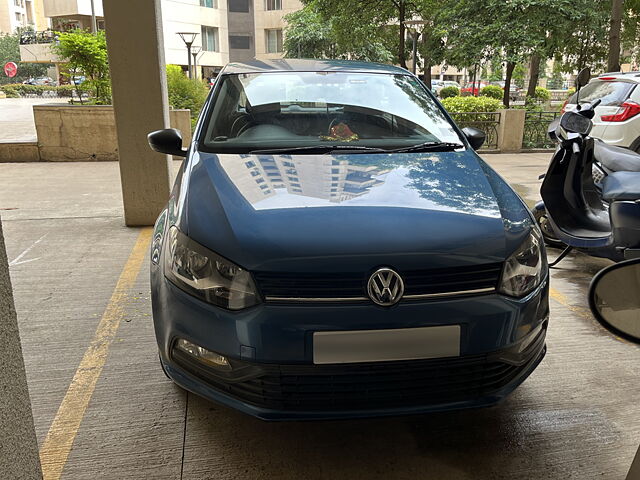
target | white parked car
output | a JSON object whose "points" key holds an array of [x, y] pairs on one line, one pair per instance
{"points": [[437, 85], [617, 120]]}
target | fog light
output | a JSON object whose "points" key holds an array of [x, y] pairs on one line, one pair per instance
{"points": [[530, 338], [203, 355]]}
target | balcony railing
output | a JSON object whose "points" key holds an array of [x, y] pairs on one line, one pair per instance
{"points": [[32, 38]]}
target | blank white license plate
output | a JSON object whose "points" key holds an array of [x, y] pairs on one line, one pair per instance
{"points": [[386, 345]]}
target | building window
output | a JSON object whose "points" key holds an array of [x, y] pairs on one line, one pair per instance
{"points": [[274, 41], [209, 3], [273, 4], [209, 38], [241, 6], [240, 42]]}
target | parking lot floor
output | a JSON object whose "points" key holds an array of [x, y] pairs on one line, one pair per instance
{"points": [[104, 409], [16, 118]]}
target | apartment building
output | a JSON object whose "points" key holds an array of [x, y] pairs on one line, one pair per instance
{"points": [[16, 14], [323, 182], [227, 30], [269, 26]]}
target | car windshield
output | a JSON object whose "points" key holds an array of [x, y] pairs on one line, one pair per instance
{"points": [[262, 111], [611, 93]]}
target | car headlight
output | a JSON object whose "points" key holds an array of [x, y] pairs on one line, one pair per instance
{"points": [[208, 276], [525, 268]]}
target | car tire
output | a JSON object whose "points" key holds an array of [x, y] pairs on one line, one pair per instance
{"points": [[547, 230]]}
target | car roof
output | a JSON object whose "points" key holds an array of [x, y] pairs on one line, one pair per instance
{"points": [[300, 65]]}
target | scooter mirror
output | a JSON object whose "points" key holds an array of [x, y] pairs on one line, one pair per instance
{"points": [[614, 298], [583, 77], [576, 123]]}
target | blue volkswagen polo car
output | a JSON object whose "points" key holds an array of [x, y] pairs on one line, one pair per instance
{"points": [[334, 247]]}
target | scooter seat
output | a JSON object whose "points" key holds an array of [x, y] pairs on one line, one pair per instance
{"points": [[616, 159], [621, 186]]}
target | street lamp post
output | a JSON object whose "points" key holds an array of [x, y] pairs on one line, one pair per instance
{"points": [[414, 35], [188, 38], [195, 50], [94, 26]]}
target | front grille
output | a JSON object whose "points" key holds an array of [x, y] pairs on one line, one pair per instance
{"points": [[274, 285], [365, 386]]}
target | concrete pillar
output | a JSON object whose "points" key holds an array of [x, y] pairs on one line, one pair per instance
{"points": [[511, 130], [634, 472], [18, 446], [139, 86]]}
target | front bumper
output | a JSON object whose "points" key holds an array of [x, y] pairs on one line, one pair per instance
{"points": [[314, 392], [273, 347]]}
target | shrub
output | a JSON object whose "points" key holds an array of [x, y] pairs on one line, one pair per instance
{"points": [[492, 91], [14, 90], [458, 106], [9, 91], [448, 92], [185, 92], [542, 94]]}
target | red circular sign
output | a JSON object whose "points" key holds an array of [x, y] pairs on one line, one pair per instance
{"points": [[10, 69]]}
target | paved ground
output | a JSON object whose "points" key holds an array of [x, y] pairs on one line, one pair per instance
{"points": [[16, 118], [575, 418]]}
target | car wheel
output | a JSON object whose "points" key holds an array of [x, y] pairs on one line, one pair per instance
{"points": [[547, 230]]}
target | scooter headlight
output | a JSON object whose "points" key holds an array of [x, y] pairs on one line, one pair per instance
{"points": [[208, 276], [525, 268]]}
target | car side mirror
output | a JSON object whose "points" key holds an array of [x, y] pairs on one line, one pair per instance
{"points": [[168, 140], [475, 137], [614, 299]]}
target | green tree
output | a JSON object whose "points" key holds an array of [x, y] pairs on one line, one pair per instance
{"points": [[10, 52], [433, 32], [361, 20], [309, 35], [494, 29], [86, 54]]}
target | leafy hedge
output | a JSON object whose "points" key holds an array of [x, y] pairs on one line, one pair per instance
{"points": [[14, 90], [185, 92], [492, 91], [461, 105], [542, 94], [448, 92]]}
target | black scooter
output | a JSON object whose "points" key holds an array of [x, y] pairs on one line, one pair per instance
{"points": [[607, 159], [600, 219]]}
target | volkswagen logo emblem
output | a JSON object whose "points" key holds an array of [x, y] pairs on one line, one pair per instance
{"points": [[385, 287]]}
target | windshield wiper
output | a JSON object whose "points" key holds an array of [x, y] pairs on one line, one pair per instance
{"points": [[320, 148], [429, 147]]}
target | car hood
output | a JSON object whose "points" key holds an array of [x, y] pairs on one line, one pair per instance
{"points": [[357, 211]]}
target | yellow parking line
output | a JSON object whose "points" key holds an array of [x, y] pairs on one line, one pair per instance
{"points": [[59, 440], [562, 299]]}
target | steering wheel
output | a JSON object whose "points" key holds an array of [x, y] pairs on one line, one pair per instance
{"points": [[243, 116]]}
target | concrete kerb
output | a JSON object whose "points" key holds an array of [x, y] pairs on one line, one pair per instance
{"points": [[78, 133]]}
